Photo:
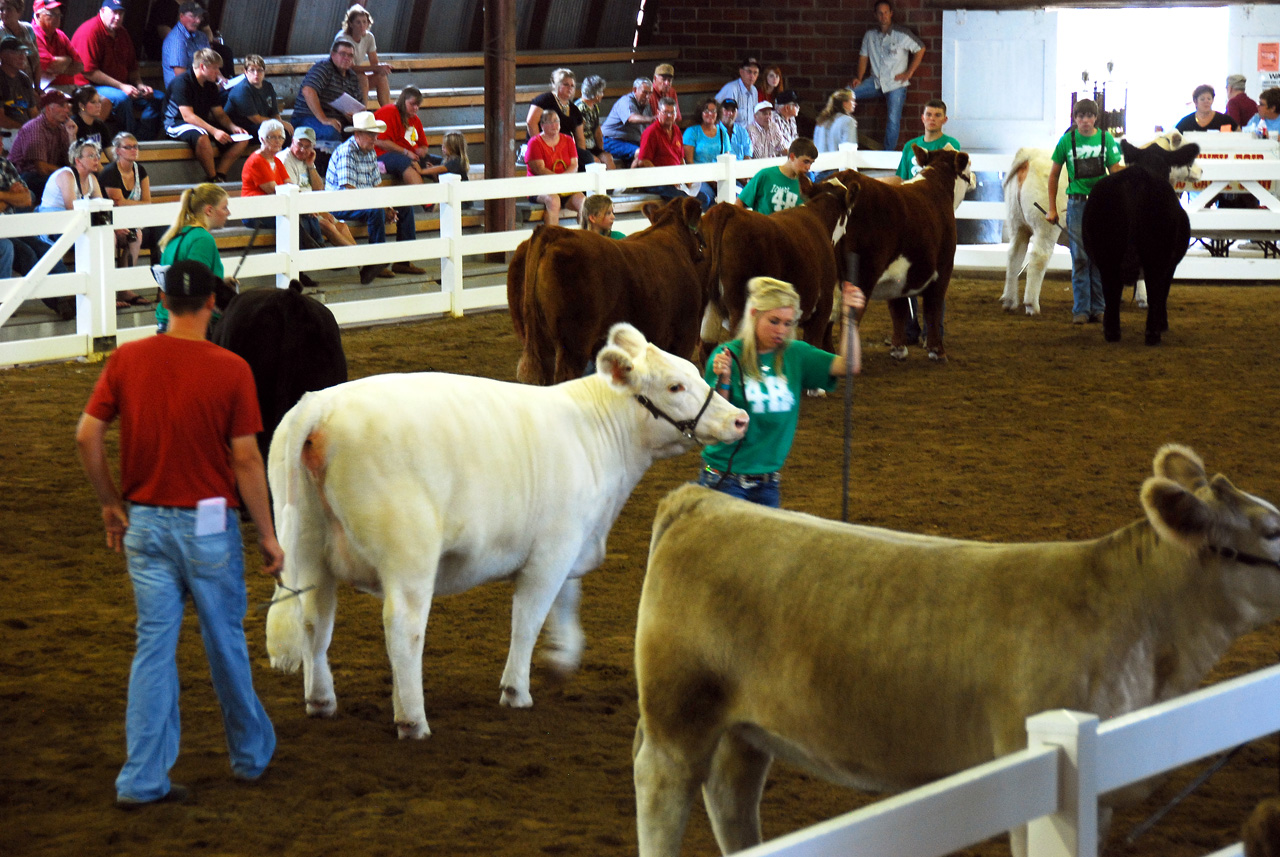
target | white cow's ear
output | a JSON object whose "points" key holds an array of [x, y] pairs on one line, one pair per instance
{"points": [[1182, 465], [626, 337], [616, 364], [1178, 516]]}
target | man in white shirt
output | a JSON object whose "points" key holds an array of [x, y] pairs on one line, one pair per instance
{"points": [[894, 53], [743, 90]]}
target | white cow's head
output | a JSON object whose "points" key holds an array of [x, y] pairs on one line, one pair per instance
{"points": [[679, 407], [1171, 141]]}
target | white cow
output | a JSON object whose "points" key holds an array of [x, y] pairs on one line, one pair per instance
{"points": [[416, 485], [883, 660], [1031, 237]]}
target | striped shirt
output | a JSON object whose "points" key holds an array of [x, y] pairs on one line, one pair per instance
{"points": [[329, 82]]}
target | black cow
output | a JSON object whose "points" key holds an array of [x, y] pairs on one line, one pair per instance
{"points": [[290, 341], [1135, 227]]}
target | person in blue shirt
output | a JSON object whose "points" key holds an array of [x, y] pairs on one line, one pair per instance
{"points": [[739, 139], [1266, 122], [180, 45], [705, 142]]}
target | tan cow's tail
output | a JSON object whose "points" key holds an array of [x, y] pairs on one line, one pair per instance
{"points": [[538, 360], [515, 289], [294, 497]]}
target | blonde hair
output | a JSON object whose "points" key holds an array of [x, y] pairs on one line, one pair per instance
{"points": [[764, 294], [207, 57], [835, 106], [559, 75], [191, 208], [455, 143], [355, 10]]}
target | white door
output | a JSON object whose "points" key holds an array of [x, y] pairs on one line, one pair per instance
{"points": [[998, 78]]}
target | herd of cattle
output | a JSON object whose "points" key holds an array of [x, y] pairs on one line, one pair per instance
{"points": [[414, 485]]}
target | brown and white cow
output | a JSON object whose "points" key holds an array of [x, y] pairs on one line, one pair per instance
{"points": [[904, 237], [796, 245], [567, 287], [883, 660]]}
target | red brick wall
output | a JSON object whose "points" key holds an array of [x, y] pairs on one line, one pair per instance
{"points": [[814, 41]]}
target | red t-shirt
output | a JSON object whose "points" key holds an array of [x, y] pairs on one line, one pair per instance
{"points": [[660, 148], [557, 159], [99, 50], [180, 403], [57, 45], [256, 171], [410, 137]]}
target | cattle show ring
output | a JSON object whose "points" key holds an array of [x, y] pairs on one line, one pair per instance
{"points": [[1034, 430]]}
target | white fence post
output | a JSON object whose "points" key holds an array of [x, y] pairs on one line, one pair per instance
{"points": [[451, 229], [727, 187], [96, 256], [288, 227], [1072, 831], [848, 156], [597, 171]]}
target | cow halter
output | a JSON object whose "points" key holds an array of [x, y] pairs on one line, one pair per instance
{"points": [[685, 427], [1231, 554]]}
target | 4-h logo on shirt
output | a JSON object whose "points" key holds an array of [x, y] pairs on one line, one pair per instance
{"points": [[772, 395], [784, 198]]}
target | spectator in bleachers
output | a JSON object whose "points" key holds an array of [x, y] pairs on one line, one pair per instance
{"points": [[183, 40], [111, 64], [627, 120], [11, 24], [18, 103], [772, 87], [743, 90], [589, 106], [26, 250], [705, 142], [1204, 117], [893, 53], [194, 115], [560, 99], [86, 108], [1265, 123], [59, 62], [300, 164], [402, 147], [454, 149], [324, 83], [662, 145], [358, 27], [553, 153], [739, 139], [597, 216], [40, 146], [125, 182], [836, 125], [1240, 107], [663, 77], [766, 134], [355, 166], [202, 209], [786, 108], [262, 173], [252, 101]]}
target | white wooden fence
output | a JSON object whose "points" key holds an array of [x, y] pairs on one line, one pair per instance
{"points": [[90, 228], [1053, 785]]}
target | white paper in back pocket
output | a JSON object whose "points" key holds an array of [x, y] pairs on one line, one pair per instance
{"points": [[211, 516]]}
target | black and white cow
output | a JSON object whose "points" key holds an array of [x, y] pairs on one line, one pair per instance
{"points": [[290, 341], [1134, 226]]}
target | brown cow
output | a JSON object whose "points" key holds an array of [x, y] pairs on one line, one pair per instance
{"points": [[796, 245], [567, 287], [905, 239]]}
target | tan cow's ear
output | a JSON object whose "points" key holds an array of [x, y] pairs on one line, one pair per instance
{"points": [[615, 363], [1181, 464], [1179, 517]]}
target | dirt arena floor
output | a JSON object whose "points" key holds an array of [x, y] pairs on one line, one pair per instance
{"points": [[1034, 430]]}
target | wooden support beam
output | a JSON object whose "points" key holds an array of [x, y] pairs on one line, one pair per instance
{"points": [[499, 106]]}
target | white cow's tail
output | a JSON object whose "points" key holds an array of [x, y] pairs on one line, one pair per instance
{"points": [[286, 629], [1023, 155]]}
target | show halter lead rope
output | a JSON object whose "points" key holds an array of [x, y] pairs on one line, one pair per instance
{"points": [[1232, 554], [685, 427]]}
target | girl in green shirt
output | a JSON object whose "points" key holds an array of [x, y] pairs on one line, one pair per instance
{"points": [[203, 207]]}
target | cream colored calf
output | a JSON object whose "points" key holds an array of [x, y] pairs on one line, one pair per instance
{"points": [[883, 660]]}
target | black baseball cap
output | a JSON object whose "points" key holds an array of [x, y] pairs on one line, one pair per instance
{"points": [[189, 279], [729, 103]]}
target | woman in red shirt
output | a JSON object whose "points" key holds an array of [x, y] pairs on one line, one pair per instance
{"points": [[260, 175], [402, 148], [553, 153]]}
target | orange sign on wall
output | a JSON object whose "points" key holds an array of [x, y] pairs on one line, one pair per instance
{"points": [[1269, 56]]}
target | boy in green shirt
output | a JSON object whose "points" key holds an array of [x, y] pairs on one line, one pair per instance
{"points": [[1088, 155], [778, 188], [933, 118]]}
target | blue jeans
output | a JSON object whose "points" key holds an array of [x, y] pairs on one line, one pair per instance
{"points": [[146, 128], [168, 562], [620, 148], [6, 258], [375, 220], [893, 101], [765, 493], [1086, 279], [324, 131]]}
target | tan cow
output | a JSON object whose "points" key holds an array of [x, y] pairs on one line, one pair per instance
{"points": [[883, 660]]}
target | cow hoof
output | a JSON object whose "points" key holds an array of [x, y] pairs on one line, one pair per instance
{"points": [[1111, 335], [512, 698], [1031, 310], [899, 353], [412, 729], [937, 357], [1142, 304], [1153, 338], [1009, 305], [327, 708]]}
